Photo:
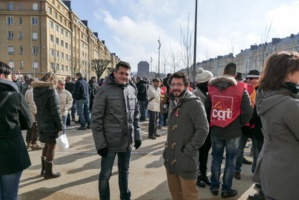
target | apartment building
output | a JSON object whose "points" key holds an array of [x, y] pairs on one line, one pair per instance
{"points": [[46, 35]]}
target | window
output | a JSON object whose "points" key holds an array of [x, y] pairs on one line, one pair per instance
{"points": [[9, 20], [20, 20], [57, 54], [21, 64], [52, 66], [34, 36], [61, 43], [10, 6], [57, 67], [35, 65], [57, 27], [11, 64], [60, 18], [10, 50], [57, 41], [20, 6], [61, 31], [34, 20], [21, 50], [67, 57], [66, 33], [51, 24], [20, 35], [55, 14], [62, 55], [50, 10], [34, 6], [52, 52], [52, 38], [62, 67], [10, 35], [66, 45], [67, 68], [34, 50]]}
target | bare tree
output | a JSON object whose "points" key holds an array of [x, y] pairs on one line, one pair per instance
{"points": [[99, 66], [174, 61]]}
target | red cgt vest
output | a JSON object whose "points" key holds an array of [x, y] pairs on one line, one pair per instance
{"points": [[226, 104]]}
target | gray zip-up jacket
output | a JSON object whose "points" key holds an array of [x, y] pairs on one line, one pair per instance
{"points": [[187, 131], [115, 117]]}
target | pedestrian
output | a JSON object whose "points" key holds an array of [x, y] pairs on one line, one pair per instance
{"points": [[230, 109], [65, 102], [163, 104], [278, 107], [81, 96], [115, 128], [201, 91], [93, 87], [15, 116], [25, 84], [70, 86], [153, 107], [32, 133], [187, 131], [17, 82], [142, 97], [48, 119]]}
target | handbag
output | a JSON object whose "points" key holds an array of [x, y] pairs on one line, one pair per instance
{"points": [[62, 142]]}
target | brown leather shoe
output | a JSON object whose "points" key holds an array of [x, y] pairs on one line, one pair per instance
{"points": [[237, 175]]}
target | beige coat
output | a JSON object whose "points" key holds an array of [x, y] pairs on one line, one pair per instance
{"points": [[153, 97], [31, 104], [65, 101]]}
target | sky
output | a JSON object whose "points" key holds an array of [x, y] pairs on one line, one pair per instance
{"points": [[131, 28]]}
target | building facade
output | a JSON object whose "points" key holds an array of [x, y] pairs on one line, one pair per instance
{"points": [[143, 69], [46, 35]]}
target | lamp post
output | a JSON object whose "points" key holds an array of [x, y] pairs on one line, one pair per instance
{"points": [[159, 58], [195, 32], [151, 70]]}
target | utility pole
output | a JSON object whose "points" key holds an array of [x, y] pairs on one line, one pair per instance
{"points": [[195, 37], [159, 57], [151, 71]]}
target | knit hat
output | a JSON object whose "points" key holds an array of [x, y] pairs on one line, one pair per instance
{"points": [[239, 76], [203, 75], [253, 74]]}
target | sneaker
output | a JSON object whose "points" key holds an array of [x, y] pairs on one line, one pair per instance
{"points": [[214, 191], [237, 175], [81, 128], [229, 193], [257, 196], [246, 162], [157, 135], [152, 137]]}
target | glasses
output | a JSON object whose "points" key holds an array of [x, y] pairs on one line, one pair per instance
{"points": [[177, 85], [252, 78]]}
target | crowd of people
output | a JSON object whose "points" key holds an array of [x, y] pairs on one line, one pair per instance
{"points": [[214, 114]]}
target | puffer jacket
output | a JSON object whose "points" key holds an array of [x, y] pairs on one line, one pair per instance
{"points": [[153, 97], [187, 131], [48, 111], [115, 117], [65, 101], [15, 116], [30, 101]]}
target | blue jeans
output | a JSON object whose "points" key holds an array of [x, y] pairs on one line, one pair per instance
{"points": [[9, 186], [231, 146], [83, 112], [142, 105], [240, 153], [123, 177], [64, 118], [74, 110], [161, 119]]}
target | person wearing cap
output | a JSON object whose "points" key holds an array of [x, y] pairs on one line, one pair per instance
{"points": [[201, 91], [153, 107], [230, 109]]}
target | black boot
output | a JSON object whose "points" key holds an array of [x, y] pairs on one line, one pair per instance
{"points": [[199, 182], [49, 170], [205, 179], [43, 159]]}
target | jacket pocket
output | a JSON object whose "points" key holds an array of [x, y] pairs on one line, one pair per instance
{"points": [[132, 102], [187, 163], [113, 137]]}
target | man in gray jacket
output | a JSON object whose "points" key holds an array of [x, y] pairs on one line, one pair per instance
{"points": [[115, 128], [187, 131]]}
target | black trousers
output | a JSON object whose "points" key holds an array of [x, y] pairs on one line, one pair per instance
{"points": [[152, 126], [204, 154]]}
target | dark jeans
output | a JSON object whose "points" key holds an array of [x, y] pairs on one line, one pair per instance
{"points": [[74, 110], [242, 145], [9, 186], [257, 143], [123, 175], [83, 112], [161, 119], [32, 134], [64, 119], [142, 105], [204, 154], [231, 146], [152, 126]]}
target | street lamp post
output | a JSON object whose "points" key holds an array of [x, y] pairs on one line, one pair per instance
{"points": [[194, 54], [159, 58], [151, 70]]}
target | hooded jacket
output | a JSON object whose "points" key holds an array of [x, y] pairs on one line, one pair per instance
{"points": [[232, 130], [15, 115], [115, 116], [277, 166], [48, 115], [65, 101], [187, 131]]}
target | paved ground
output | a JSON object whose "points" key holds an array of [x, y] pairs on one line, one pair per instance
{"points": [[80, 166]]}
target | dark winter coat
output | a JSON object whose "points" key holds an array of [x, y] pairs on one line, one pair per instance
{"points": [[48, 114], [187, 131], [115, 117], [81, 90], [70, 86], [233, 130], [15, 115], [142, 90]]}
